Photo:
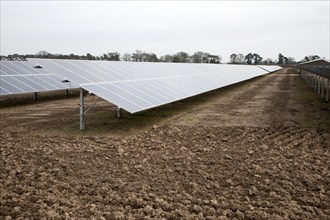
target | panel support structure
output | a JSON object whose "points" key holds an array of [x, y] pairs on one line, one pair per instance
{"points": [[82, 108], [118, 112], [35, 96], [327, 91], [322, 87]]}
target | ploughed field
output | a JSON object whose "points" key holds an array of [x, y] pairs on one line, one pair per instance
{"points": [[256, 150]]}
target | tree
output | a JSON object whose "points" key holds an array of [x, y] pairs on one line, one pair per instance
{"points": [[104, 57], [16, 57], [74, 57], [311, 57], [249, 58], [114, 56], [268, 61], [233, 58], [166, 58], [181, 57], [291, 60], [141, 56], [240, 59], [137, 56], [237, 58], [199, 57], [315, 57], [90, 56], [280, 59], [286, 60], [257, 58], [214, 58], [150, 57], [126, 57]]}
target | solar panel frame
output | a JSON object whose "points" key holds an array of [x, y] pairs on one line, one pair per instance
{"points": [[270, 68]]}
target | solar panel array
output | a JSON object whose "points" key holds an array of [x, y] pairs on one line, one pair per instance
{"points": [[20, 77], [137, 86], [323, 71]]}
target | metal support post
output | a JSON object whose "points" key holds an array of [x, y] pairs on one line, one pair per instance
{"points": [[35, 96], [322, 87], [118, 112], [319, 84], [82, 113], [67, 92], [327, 91], [315, 82]]}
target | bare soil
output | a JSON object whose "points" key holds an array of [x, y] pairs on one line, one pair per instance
{"points": [[256, 150]]}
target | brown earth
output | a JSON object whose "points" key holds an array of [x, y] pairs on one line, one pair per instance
{"points": [[256, 150]]}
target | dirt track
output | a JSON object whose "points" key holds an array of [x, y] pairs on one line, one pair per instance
{"points": [[258, 150]]}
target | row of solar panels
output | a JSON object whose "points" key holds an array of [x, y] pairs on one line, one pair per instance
{"points": [[323, 71], [319, 67], [132, 86], [20, 77]]}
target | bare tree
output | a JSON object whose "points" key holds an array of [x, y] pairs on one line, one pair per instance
{"points": [[126, 57], [138, 56]]}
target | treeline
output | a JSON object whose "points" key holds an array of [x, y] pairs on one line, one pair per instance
{"points": [[254, 58], [138, 56], [180, 57]]}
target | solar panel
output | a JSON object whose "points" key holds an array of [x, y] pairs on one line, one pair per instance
{"points": [[138, 95], [20, 77], [323, 71], [137, 86]]}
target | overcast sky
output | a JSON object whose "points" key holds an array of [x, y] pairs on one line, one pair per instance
{"points": [[294, 28]]}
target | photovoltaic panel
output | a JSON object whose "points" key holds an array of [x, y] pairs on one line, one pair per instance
{"points": [[323, 71], [137, 86], [138, 95], [20, 77]]}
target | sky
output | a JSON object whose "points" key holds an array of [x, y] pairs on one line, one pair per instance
{"points": [[294, 28]]}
